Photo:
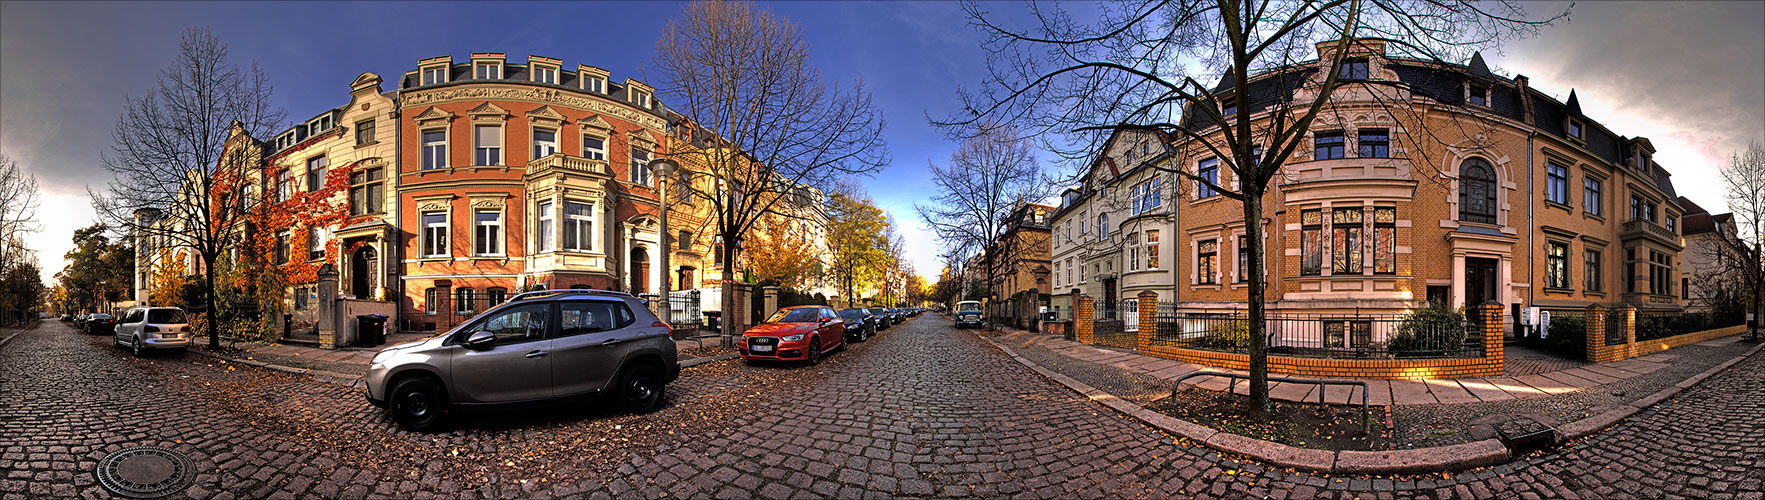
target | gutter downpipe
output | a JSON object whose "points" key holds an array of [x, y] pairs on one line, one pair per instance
{"points": [[1531, 224], [397, 243]]}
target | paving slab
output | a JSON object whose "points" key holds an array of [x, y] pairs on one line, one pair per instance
{"points": [[1449, 392], [1609, 371], [1516, 387], [1349, 395], [1410, 392], [1180, 370], [1378, 393], [1596, 377], [1484, 390], [1570, 380], [1286, 391], [1546, 385]]}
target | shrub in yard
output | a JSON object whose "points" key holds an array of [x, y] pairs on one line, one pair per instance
{"points": [[1228, 335], [1427, 331], [1567, 336]]}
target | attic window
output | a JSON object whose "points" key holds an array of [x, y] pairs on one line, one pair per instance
{"points": [[1574, 128], [544, 74], [1353, 69], [595, 84], [434, 74], [640, 98], [319, 124], [487, 71], [1478, 95], [1228, 107]]}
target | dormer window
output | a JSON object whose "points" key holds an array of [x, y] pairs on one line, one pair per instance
{"points": [[487, 71], [1353, 69], [1228, 107], [640, 98], [594, 84], [435, 74], [1575, 128], [543, 74], [1478, 95], [319, 125]]}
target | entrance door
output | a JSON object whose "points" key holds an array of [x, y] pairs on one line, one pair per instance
{"points": [[1480, 282], [362, 265], [640, 270]]}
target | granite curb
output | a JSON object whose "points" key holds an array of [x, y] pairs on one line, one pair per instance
{"points": [[1590, 425], [321, 375], [9, 337], [699, 361], [1420, 460]]}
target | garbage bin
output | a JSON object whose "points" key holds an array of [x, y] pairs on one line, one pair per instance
{"points": [[370, 329]]}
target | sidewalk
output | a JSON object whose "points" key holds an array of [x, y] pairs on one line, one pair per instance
{"points": [[1421, 413]]}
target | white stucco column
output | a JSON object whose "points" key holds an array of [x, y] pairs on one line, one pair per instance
{"points": [[1505, 270], [1458, 279]]}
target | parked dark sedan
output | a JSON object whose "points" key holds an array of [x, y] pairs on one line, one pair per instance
{"points": [[99, 324], [860, 324], [883, 319]]}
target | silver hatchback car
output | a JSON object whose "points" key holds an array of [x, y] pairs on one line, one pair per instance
{"points": [[537, 346], [144, 329]]}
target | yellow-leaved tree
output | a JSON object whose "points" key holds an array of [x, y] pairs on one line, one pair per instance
{"points": [[166, 288]]}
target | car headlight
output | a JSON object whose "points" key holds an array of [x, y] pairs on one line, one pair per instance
{"points": [[383, 356], [793, 338]]}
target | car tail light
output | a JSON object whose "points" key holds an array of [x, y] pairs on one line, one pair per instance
{"points": [[149, 329], [660, 324]]}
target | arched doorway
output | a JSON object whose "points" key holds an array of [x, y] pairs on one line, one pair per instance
{"points": [[362, 266], [640, 270]]}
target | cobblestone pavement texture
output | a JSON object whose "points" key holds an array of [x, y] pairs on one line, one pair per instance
{"points": [[921, 411], [1523, 360]]}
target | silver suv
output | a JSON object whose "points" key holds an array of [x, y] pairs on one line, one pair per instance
{"points": [[539, 345]]}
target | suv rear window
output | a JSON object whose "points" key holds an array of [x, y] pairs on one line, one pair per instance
{"points": [[165, 316], [580, 316]]}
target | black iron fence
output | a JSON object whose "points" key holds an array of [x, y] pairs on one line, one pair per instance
{"points": [[1615, 327], [1660, 325], [1328, 336], [681, 310]]}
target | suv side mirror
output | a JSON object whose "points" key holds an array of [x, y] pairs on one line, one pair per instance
{"points": [[481, 341]]}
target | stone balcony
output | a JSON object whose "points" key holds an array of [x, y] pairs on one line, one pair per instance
{"points": [[1643, 229], [566, 163]]}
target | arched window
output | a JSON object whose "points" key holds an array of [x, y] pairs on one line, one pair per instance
{"points": [[1476, 192]]}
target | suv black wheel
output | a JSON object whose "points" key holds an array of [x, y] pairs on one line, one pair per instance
{"points": [[135, 347], [640, 389], [814, 352], [417, 403]]}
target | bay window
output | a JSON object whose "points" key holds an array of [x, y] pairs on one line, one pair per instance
{"points": [[578, 226], [547, 232]]}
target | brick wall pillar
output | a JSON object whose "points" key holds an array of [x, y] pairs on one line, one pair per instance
{"points": [[1628, 350], [444, 309], [1148, 319], [1493, 335], [1597, 350], [1081, 319]]}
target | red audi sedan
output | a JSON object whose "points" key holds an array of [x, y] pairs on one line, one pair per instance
{"points": [[801, 333]]}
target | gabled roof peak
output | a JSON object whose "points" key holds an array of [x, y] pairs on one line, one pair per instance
{"points": [[1573, 105], [1477, 67]]}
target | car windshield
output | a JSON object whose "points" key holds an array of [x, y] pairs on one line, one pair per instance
{"points": [[805, 315], [165, 316], [968, 307], [851, 313]]}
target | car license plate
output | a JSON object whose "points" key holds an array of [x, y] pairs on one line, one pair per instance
{"points": [[761, 348]]}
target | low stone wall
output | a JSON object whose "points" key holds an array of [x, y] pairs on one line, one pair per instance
{"points": [[1419, 368], [1647, 347]]}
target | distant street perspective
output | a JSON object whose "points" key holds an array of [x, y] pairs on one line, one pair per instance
{"points": [[1340, 249]]}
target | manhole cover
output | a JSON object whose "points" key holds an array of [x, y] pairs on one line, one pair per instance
{"points": [[145, 472]]}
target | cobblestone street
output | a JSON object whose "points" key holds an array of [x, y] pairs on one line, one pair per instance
{"points": [[922, 410]]}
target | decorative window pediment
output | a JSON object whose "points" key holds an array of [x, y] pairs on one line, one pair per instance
{"points": [[595, 125], [641, 139], [545, 115], [433, 116], [488, 112]]}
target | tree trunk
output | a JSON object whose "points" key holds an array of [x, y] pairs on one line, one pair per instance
{"points": [[729, 288], [214, 332], [1258, 403]]}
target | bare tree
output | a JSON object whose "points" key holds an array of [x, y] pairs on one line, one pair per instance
{"points": [[19, 198], [1133, 69], [767, 121], [990, 174], [184, 150], [1744, 177]]}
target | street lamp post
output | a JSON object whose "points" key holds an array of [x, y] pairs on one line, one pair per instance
{"points": [[661, 168]]}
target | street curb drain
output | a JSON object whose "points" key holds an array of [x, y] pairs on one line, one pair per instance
{"points": [[145, 472]]}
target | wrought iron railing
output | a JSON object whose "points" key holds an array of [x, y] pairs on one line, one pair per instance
{"points": [[1326, 336]]}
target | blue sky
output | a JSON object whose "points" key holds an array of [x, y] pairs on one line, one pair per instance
{"points": [[65, 68]]}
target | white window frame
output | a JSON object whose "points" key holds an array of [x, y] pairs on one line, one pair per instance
{"points": [[542, 149], [479, 149], [545, 74], [1133, 246], [594, 153], [315, 243], [595, 84], [478, 70], [640, 171], [546, 230], [319, 125], [1150, 244], [584, 233], [484, 244], [439, 154], [431, 239], [439, 74]]}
